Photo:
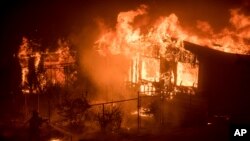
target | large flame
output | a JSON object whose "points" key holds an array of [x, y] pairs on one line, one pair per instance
{"points": [[164, 40], [145, 50], [232, 39], [25, 53]]}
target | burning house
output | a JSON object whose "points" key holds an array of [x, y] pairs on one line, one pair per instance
{"points": [[150, 58], [161, 62], [40, 68], [154, 57], [141, 66], [157, 66]]}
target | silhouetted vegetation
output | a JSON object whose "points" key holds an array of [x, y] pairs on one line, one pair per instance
{"points": [[73, 111], [110, 118]]}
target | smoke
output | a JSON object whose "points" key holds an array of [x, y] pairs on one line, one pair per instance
{"points": [[104, 76], [107, 73]]}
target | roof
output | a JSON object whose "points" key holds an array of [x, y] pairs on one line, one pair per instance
{"points": [[207, 53]]}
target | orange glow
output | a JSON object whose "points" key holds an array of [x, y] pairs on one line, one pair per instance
{"points": [[150, 69], [142, 112], [187, 74], [53, 62], [164, 39], [147, 89], [24, 54], [145, 50]]}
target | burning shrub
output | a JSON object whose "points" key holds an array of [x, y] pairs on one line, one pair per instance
{"points": [[110, 118]]}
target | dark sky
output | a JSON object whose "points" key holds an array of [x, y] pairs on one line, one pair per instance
{"points": [[48, 20]]}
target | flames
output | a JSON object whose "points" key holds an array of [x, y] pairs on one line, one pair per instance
{"points": [[232, 39], [49, 67], [164, 40], [56, 62], [187, 74], [26, 54], [146, 45]]}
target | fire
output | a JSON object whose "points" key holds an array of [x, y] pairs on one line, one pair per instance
{"points": [[164, 41], [187, 75], [25, 54], [232, 39], [145, 50], [150, 69], [53, 64], [56, 61], [143, 113], [147, 89]]}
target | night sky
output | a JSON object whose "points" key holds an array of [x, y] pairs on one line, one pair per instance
{"points": [[47, 20]]}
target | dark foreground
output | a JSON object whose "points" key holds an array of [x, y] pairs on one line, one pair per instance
{"points": [[195, 133]]}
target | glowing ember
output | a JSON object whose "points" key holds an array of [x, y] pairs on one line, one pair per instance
{"points": [[142, 112]]}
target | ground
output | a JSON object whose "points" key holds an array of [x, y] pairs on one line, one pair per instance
{"points": [[195, 133]]}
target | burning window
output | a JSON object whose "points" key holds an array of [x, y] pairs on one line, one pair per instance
{"points": [[150, 69], [187, 74]]}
